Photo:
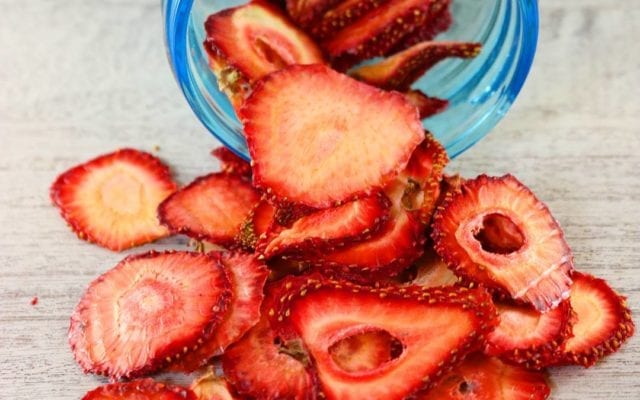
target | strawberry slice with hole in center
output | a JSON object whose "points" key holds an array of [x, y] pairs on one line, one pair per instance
{"points": [[427, 106], [232, 163], [111, 200], [309, 110], [260, 366], [365, 351], [140, 389], [247, 277], [212, 207], [146, 311], [496, 232], [330, 228], [401, 70], [436, 329], [488, 378], [209, 386], [602, 321], [526, 336]]}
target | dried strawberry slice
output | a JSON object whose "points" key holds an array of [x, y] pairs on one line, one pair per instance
{"points": [[147, 310], [365, 350], [488, 378], [327, 146], [427, 106], [340, 16], [496, 232], [260, 366], [396, 245], [111, 200], [231, 163], [256, 225], [248, 42], [436, 329], [401, 70], [247, 276], [438, 20], [330, 228], [375, 33], [140, 389], [211, 387], [212, 207], [305, 12], [602, 321], [526, 336], [432, 271]]}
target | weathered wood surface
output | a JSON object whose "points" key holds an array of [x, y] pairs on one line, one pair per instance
{"points": [[78, 78]]}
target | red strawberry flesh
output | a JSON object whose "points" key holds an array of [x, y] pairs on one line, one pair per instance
{"points": [[142, 389]]}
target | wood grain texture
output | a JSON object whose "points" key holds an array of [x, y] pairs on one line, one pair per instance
{"points": [[82, 77]]}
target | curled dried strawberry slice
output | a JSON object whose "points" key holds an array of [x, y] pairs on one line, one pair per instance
{"points": [[401, 70], [438, 20], [340, 16], [305, 12], [111, 200], [427, 106], [212, 207], [435, 327], [209, 386], [496, 232], [488, 378], [246, 43], [141, 389], [526, 336], [330, 228], [247, 277], [326, 146], [231, 163], [146, 311], [376, 32], [602, 321], [261, 366]]}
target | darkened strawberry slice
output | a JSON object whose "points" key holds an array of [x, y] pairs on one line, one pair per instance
{"points": [[438, 20], [305, 12], [496, 232], [231, 163], [602, 321], [436, 328], [141, 389], [247, 276], [488, 378], [401, 70], [376, 32], [432, 271], [427, 106], [288, 212], [309, 111], [212, 207], [112, 200], [422, 177], [330, 228], [248, 42], [147, 310], [343, 14], [256, 225], [211, 387], [260, 366], [396, 245], [526, 336]]}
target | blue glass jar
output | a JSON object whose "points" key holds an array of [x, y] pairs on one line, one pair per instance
{"points": [[480, 91]]}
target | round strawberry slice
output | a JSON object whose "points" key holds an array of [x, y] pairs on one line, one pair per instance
{"points": [[485, 378], [496, 232], [526, 336], [141, 389], [340, 137], [602, 321], [147, 310], [247, 277], [112, 200]]}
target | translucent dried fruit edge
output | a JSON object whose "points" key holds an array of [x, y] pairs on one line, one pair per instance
{"points": [[310, 130], [147, 310]]}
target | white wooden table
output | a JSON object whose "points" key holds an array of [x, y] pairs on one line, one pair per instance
{"points": [[82, 77]]}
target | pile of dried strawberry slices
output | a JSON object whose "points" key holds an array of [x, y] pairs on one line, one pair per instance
{"points": [[343, 262]]}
